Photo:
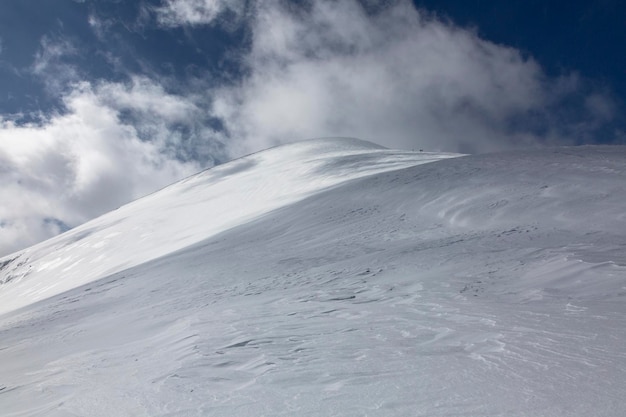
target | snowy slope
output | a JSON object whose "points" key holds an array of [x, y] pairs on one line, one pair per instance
{"points": [[190, 211], [489, 285]]}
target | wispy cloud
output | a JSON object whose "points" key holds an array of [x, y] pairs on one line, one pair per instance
{"points": [[197, 12], [51, 63]]}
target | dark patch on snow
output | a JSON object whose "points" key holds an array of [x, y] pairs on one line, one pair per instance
{"points": [[6, 263]]}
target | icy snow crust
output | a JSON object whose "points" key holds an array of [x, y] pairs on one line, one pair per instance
{"points": [[355, 283]]}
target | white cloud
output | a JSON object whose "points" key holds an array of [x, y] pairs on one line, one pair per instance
{"points": [[196, 12], [82, 163], [398, 77]]}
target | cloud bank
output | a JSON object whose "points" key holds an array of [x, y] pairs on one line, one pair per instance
{"points": [[399, 77], [380, 71], [74, 166]]}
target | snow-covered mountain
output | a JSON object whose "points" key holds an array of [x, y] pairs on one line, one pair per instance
{"points": [[334, 277]]}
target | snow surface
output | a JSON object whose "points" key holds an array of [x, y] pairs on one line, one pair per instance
{"points": [[192, 210], [333, 277]]}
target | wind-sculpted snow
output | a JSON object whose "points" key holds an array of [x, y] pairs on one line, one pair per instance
{"points": [[190, 211], [489, 285]]}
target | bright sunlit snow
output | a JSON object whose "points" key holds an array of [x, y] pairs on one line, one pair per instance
{"points": [[333, 277]]}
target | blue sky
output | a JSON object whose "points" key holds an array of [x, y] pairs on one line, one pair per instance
{"points": [[583, 36], [102, 101]]}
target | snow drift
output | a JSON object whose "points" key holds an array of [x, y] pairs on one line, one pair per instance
{"points": [[333, 277]]}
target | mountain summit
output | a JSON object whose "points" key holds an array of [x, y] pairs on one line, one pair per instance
{"points": [[333, 277], [190, 211]]}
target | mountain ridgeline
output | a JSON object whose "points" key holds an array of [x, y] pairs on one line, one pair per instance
{"points": [[334, 277]]}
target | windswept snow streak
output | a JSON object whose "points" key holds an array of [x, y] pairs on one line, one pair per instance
{"points": [[190, 211], [490, 285]]}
